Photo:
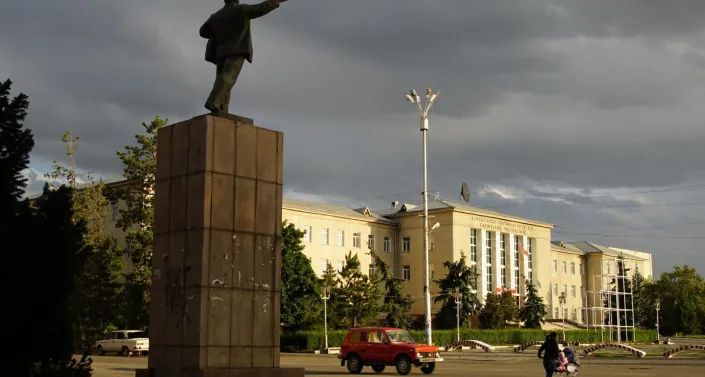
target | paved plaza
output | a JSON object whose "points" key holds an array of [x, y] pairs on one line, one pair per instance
{"points": [[473, 364]]}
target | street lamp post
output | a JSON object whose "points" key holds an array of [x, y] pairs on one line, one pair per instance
{"points": [[423, 113], [325, 296], [458, 300], [561, 299], [658, 307]]}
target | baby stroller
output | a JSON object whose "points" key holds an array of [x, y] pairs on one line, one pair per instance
{"points": [[571, 370]]}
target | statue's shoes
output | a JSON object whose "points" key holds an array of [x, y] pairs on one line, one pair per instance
{"points": [[211, 107]]}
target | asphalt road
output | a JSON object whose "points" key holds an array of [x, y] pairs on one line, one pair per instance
{"points": [[473, 364]]}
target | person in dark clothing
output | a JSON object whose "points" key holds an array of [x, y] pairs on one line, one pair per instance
{"points": [[550, 350]]}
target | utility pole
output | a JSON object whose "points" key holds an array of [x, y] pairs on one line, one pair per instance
{"points": [[423, 113], [458, 300], [325, 296]]}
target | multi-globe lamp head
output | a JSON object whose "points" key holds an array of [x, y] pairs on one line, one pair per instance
{"points": [[423, 108]]}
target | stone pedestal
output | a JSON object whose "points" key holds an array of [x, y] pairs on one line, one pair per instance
{"points": [[217, 251]]}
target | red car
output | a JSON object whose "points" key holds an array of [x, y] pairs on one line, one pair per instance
{"points": [[380, 347]]}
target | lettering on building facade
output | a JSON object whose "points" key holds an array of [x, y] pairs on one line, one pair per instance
{"points": [[503, 225]]}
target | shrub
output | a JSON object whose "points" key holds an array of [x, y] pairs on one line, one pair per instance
{"points": [[315, 339]]}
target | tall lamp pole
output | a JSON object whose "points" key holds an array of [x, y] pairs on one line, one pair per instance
{"points": [[325, 296], [658, 307], [458, 300], [423, 109]]}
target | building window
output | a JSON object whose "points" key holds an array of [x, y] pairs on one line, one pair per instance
{"points": [[387, 244], [609, 268], [341, 238], [572, 290], [115, 213], [582, 291], [488, 248], [517, 284], [356, 240], [340, 265], [556, 314], [488, 278], [575, 314], [473, 246], [564, 267], [515, 248], [373, 270], [503, 277], [582, 269], [406, 245], [565, 289], [502, 250], [406, 273], [555, 266], [324, 265], [324, 236], [565, 312], [572, 268], [307, 233], [432, 271], [555, 289], [371, 242]]}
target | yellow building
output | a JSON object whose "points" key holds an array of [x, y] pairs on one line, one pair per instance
{"points": [[505, 250]]}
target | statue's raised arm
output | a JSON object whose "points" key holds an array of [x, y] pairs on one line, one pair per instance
{"points": [[229, 45]]}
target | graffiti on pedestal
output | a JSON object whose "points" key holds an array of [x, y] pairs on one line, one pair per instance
{"points": [[176, 300]]}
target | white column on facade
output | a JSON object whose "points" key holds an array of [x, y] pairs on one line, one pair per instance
{"points": [[497, 260], [525, 259], [481, 263], [510, 271]]}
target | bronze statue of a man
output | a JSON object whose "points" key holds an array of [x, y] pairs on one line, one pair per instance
{"points": [[229, 45]]}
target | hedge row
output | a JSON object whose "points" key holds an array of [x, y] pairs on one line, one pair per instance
{"points": [[314, 340]]}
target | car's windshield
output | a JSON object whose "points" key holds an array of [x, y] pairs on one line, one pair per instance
{"points": [[137, 334], [399, 336]]}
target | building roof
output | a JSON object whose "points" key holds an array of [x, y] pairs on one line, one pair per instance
{"points": [[362, 214], [449, 204], [593, 248], [566, 248]]}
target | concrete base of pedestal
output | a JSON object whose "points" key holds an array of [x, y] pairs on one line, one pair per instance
{"points": [[250, 372]]}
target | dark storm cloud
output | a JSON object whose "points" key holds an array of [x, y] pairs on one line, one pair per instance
{"points": [[569, 93]]}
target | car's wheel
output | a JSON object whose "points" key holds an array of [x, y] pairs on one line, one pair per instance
{"points": [[403, 365], [378, 368], [354, 364], [125, 351], [101, 351], [428, 368]]}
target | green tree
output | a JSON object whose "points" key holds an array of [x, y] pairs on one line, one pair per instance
{"points": [[508, 307], [645, 298], [534, 310], [462, 278], [329, 280], [96, 297], [491, 316], [301, 293], [617, 299], [15, 145], [397, 304], [140, 163], [357, 297], [38, 269], [682, 297]]}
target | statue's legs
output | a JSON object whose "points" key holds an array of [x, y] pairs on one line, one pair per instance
{"points": [[227, 72]]}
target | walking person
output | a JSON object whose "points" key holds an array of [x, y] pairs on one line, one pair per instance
{"points": [[550, 350]]}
